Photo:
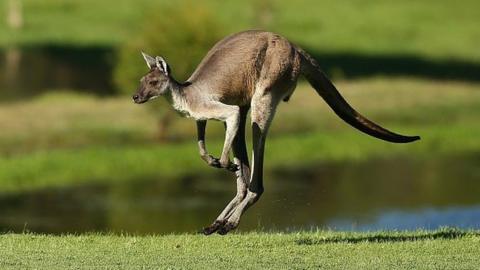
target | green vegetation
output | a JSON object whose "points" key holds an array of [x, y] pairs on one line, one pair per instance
{"points": [[76, 139], [188, 33], [432, 29], [185, 38], [443, 249]]}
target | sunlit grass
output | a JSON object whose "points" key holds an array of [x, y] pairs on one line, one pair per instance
{"points": [[116, 163], [441, 249], [427, 28], [71, 120], [59, 140]]}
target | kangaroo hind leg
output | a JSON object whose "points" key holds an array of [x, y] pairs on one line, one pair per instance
{"points": [[242, 174], [263, 110]]}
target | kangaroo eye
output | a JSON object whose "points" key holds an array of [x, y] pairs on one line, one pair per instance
{"points": [[153, 82]]}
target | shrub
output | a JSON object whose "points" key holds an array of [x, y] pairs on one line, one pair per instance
{"points": [[182, 35]]}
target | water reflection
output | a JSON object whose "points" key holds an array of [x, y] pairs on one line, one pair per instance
{"points": [[381, 194], [25, 72]]}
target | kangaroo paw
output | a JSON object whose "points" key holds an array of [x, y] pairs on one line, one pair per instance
{"points": [[227, 164], [212, 161], [232, 167], [217, 163]]}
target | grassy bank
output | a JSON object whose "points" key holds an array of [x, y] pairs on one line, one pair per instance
{"points": [[105, 164], [75, 121], [443, 249], [434, 29], [73, 140]]}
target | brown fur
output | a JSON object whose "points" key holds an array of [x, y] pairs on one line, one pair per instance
{"points": [[234, 65]]}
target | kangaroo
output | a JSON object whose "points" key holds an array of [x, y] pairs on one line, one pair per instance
{"points": [[251, 70]]}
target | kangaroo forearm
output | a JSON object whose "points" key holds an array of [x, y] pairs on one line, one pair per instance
{"points": [[201, 127], [231, 125]]}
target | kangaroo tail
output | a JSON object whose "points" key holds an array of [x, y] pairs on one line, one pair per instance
{"points": [[325, 88]]}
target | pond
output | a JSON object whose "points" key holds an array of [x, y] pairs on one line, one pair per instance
{"points": [[27, 72], [379, 194]]}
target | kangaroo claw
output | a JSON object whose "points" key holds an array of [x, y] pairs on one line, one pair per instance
{"points": [[232, 167], [215, 162]]}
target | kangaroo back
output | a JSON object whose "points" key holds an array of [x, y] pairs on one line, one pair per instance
{"points": [[324, 87]]}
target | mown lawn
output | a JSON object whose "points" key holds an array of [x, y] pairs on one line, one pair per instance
{"points": [[442, 249]]}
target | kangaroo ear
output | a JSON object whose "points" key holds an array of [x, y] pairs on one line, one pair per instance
{"points": [[162, 65], [150, 60]]}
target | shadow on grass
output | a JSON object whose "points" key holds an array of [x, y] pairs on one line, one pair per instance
{"points": [[354, 65], [353, 238]]}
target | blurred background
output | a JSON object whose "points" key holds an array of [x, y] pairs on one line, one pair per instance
{"points": [[76, 155]]}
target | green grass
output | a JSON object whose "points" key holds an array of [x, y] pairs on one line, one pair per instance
{"points": [[75, 140], [432, 29], [443, 249], [73, 121], [104, 164]]}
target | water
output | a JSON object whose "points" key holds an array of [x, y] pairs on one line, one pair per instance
{"points": [[380, 194], [27, 72]]}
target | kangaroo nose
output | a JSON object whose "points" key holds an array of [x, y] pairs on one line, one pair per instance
{"points": [[135, 97]]}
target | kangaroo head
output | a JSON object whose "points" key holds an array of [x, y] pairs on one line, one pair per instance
{"points": [[156, 82]]}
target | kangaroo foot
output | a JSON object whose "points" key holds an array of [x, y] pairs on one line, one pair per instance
{"points": [[213, 228], [227, 227]]}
